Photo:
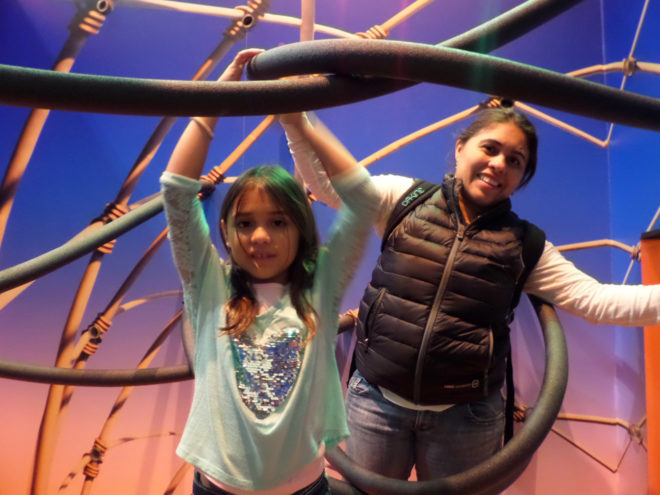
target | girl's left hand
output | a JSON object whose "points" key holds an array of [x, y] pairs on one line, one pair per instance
{"points": [[234, 70], [293, 119]]}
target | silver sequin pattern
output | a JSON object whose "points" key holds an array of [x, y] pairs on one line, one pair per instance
{"points": [[265, 373]]}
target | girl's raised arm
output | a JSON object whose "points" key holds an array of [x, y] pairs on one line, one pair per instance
{"points": [[336, 159], [304, 141], [190, 152]]}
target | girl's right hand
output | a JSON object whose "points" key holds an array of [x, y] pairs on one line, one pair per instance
{"points": [[234, 70]]}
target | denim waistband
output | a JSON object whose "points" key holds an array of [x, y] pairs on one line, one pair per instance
{"points": [[318, 486]]}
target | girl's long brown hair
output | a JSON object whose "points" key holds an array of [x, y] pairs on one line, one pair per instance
{"points": [[287, 193]]}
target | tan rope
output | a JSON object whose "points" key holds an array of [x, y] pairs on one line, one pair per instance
{"points": [[381, 31], [50, 421], [635, 432], [412, 137], [599, 243], [256, 133]]}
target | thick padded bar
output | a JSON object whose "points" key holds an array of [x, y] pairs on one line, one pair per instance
{"points": [[501, 470], [509, 26], [458, 68], [94, 378], [397, 59], [40, 88], [35, 88], [78, 246]]}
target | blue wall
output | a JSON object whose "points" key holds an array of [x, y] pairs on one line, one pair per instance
{"points": [[581, 192]]}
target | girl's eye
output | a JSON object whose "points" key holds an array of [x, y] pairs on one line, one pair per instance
{"points": [[280, 222], [242, 224], [489, 148]]}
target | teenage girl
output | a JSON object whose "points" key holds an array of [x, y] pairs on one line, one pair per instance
{"points": [[267, 398], [432, 329]]}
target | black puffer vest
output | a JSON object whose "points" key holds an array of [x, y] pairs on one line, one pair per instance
{"points": [[432, 324]]}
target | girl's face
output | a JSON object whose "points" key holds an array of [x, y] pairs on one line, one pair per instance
{"points": [[491, 164], [261, 238]]}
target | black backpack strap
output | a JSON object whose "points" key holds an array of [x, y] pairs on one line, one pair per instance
{"points": [[533, 245], [510, 399], [418, 192], [532, 248]]}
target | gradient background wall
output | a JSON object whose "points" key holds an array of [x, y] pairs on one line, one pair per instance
{"points": [[582, 192]]}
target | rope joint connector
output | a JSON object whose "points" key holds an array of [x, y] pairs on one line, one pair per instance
{"points": [[99, 327], [376, 32], [91, 15], [251, 13], [636, 253], [629, 66], [92, 468]]}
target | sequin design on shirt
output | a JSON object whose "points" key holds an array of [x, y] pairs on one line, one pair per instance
{"points": [[265, 373]]}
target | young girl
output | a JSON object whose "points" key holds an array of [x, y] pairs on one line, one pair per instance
{"points": [[267, 398]]}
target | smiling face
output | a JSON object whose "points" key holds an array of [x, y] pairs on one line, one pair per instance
{"points": [[261, 237], [491, 165]]}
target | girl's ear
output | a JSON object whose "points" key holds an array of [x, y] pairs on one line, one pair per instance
{"points": [[223, 227]]}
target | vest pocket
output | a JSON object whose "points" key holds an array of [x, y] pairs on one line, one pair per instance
{"points": [[374, 309]]}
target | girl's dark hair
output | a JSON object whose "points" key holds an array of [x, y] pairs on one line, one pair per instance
{"points": [[287, 193], [502, 115]]}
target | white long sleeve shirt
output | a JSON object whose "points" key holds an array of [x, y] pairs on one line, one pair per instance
{"points": [[554, 278]]}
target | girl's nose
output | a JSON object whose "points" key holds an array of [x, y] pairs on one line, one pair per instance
{"points": [[260, 235]]}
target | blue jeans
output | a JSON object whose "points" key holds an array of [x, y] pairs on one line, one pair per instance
{"points": [[389, 439], [320, 486]]}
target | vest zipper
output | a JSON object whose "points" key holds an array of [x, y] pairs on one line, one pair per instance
{"points": [[417, 387]]}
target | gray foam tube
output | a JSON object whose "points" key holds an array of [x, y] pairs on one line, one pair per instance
{"points": [[501, 470]]}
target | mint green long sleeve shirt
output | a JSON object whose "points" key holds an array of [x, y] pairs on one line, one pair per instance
{"points": [[223, 436]]}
